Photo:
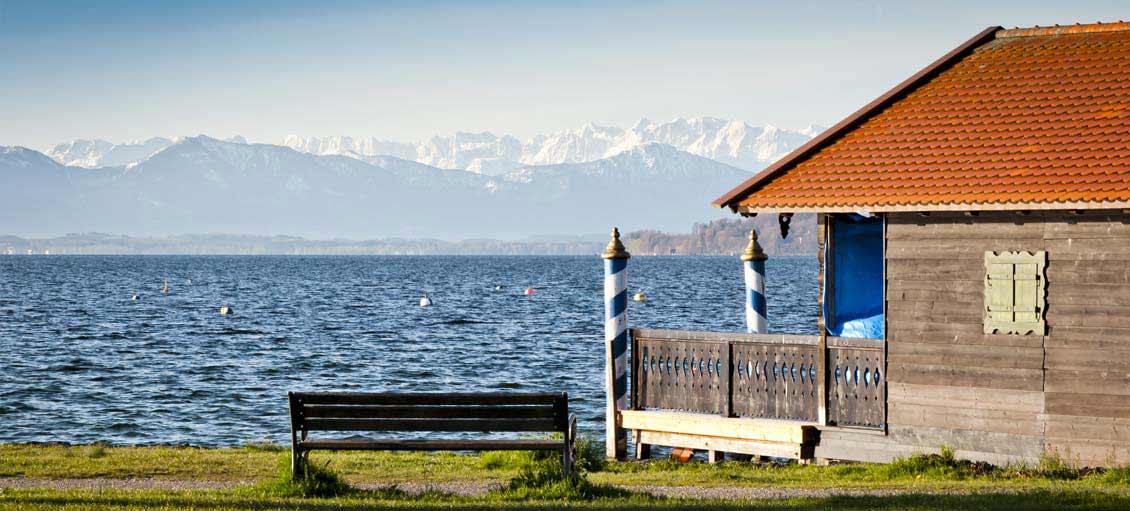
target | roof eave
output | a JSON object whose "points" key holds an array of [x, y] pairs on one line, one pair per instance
{"points": [[831, 134], [925, 208]]}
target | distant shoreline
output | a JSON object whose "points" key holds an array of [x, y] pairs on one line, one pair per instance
{"points": [[593, 255], [717, 238]]}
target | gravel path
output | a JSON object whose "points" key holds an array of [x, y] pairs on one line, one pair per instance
{"points": [[468, 488], [118, 484], [759, 493], [465, 488], [476, 488]]}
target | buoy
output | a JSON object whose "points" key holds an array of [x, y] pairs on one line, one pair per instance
{"points": [[498, 288], [227, 311], [529, 291], [640, 297], [135, 296], [189, 282], [425, 301], [166, 288]]}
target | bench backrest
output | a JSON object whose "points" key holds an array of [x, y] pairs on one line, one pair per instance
{"points": [[336, 411]]}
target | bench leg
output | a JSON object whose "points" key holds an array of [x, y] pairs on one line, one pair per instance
{"points": [[296, 469], [568, 454]]}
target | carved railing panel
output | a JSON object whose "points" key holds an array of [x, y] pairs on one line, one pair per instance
{"points": [[857, 387], [680, 375], [776, 381]]}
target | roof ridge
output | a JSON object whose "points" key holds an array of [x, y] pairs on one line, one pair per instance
{"points": [[1088, 28]]}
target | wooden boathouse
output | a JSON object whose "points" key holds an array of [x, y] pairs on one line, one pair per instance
{"points": [[974, 227]]}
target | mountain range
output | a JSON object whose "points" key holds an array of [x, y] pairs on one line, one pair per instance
{"points": [[735, 143], [466, 186], [201, 184]]}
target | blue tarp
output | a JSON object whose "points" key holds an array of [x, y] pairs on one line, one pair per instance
{"points": [[857, 277]]}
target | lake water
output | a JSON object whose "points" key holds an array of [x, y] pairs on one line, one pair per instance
{"points": [[82, 362]]}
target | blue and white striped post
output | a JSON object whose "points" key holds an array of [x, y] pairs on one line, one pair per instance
{"points": [[753, 259], [616, 343]]}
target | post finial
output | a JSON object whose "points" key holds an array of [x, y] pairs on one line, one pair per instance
{"points": [[615, 249], [753, 251]]}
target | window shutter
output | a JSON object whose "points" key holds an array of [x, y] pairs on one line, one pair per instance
{"points": [[1014, 292]]}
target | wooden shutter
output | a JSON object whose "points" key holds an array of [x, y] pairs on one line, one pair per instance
{"points": [[1014, 292]]}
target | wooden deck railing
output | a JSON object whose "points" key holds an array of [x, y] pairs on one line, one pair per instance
{"points": [[769, 376], [857, 390]]}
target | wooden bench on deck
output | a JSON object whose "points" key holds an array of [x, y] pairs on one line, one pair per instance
{"points": [[416, 412]]}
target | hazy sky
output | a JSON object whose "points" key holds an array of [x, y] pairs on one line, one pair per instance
{"points": [[407, 70]]}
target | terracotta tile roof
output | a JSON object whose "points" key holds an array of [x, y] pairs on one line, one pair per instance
{"points": [[1018, 118]]}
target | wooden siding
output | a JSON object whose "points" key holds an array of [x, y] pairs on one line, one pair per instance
{"points": [[1000, 397]]}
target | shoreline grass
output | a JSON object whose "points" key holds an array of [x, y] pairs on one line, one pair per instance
{"points": [[364, 480]]}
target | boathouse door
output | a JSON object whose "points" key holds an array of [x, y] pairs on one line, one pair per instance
{"points": [[854, 322]]}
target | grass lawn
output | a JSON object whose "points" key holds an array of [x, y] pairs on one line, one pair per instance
{"points": [[91, 500], [252, 479]]}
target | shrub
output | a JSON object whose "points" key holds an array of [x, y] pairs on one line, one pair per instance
{"points": [[943, 465], [319, 481], [590, 455], [545, 480], [1116, 475], [1052, 466]]}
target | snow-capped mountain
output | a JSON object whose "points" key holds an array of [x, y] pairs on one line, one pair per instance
{"points": [[349, 146], [201, 184], [812, 130], [100, 153], [587, 143], [735, 143]]}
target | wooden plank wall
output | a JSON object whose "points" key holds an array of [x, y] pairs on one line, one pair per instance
{"points": [[1088, 346], [1005, 397]]}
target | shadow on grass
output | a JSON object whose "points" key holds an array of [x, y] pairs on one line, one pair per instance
{"points": [[1035, 500]]}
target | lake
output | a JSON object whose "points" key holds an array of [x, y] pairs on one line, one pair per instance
{"points": [[83, 362]]}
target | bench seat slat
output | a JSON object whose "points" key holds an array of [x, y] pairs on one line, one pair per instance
{"points": [[482, 425], [425, 398], [431, 445], [427, 412]]}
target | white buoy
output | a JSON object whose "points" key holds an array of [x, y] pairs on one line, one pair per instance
{"points": [[227, 311], [189, 282], [497, 288], [639, 297], [425, 301], [135, 296]]}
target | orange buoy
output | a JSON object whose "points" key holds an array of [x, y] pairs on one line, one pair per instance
{"points": [[529, 291]]}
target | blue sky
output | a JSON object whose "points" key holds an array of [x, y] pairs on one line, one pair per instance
{"points": [[407, 70]]}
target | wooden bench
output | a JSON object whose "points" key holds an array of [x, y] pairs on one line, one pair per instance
{"points": [[415, 412]]}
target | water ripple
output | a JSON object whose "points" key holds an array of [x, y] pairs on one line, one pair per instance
{"points": [[86, 363]]}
